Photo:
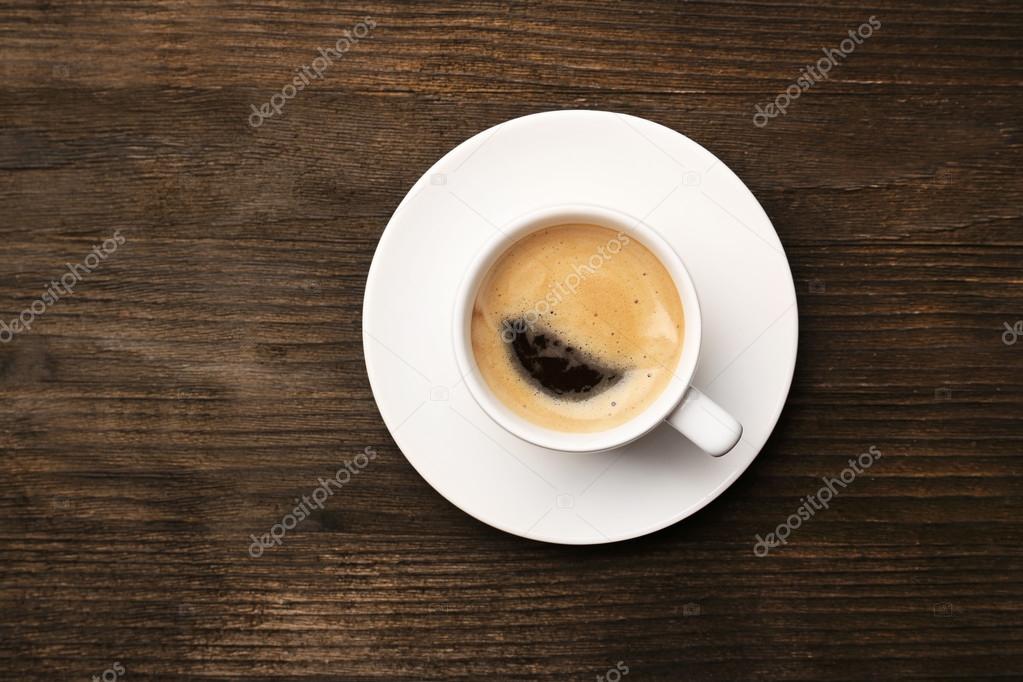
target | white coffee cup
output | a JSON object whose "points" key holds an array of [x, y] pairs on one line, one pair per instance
{"points": [[681, 405]]}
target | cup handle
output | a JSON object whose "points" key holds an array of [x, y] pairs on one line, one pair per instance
{"points": [[704, 422]]}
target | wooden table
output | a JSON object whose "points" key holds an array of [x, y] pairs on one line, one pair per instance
{"points": [[209, 369]]}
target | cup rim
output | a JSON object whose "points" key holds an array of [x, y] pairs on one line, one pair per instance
{"points": [[565, 441]]}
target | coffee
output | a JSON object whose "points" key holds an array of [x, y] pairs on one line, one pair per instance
{"points": [[577, 328]]}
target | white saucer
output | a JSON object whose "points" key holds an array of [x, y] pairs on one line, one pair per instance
{"points": [[639, 167]]}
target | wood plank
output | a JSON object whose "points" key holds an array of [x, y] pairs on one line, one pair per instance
{"points": [[210, 370]]}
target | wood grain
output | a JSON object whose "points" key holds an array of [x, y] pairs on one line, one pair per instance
{"points": [[211, 369]]}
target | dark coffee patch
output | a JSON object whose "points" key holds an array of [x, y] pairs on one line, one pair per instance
{"points": [[559, 370]]}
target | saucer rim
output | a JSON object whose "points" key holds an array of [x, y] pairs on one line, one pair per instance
{"points": [[371, 359]]}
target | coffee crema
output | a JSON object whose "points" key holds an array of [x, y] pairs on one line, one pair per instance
{"points": [[577, 328]]}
